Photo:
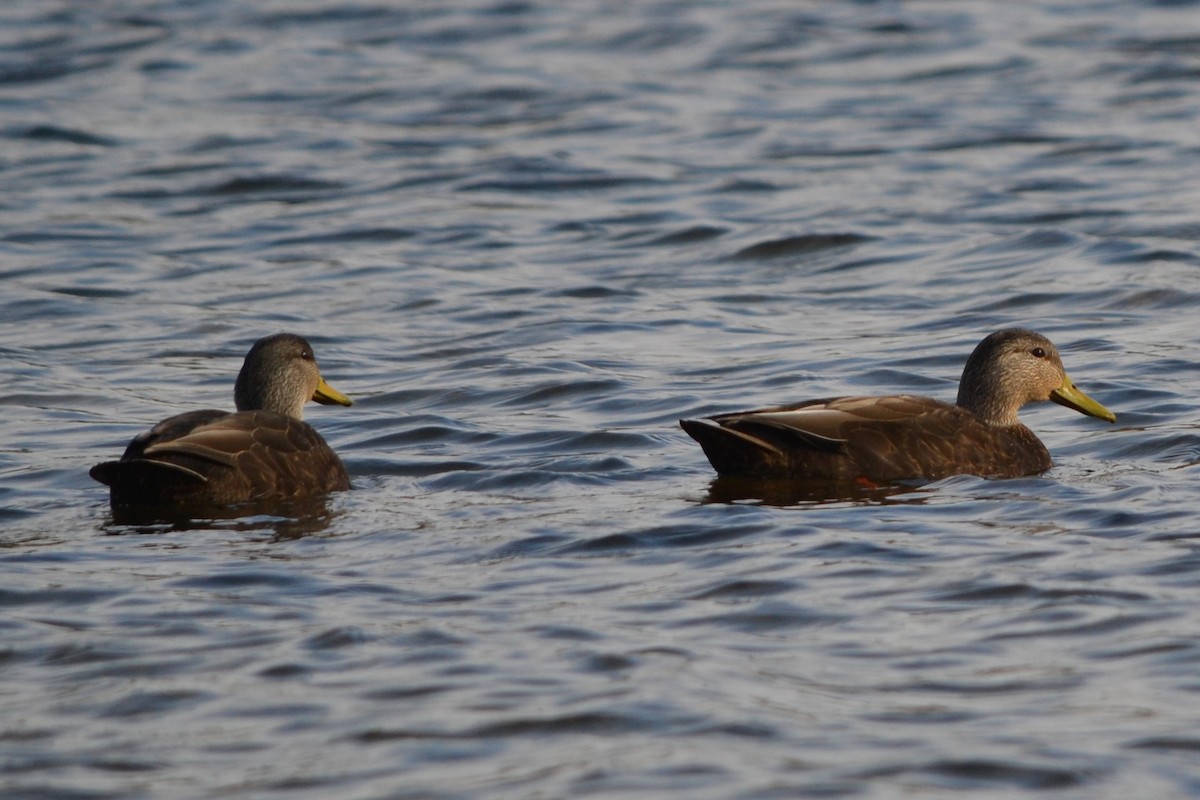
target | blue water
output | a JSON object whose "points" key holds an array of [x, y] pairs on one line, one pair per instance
{"points": [[526, 238]]}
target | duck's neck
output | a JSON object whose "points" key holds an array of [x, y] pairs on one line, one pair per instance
{"points": [[981, 393], [251, 393]]}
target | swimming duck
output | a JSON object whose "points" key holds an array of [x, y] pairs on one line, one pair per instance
{"points": [[875, 440], [262, 452]]}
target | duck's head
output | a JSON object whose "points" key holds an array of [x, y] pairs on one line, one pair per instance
{"points": [[280, 374], [1013, 367]]}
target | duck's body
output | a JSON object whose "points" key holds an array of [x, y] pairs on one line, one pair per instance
{"points": [[880, 439], [906, 437], [261, 453]]}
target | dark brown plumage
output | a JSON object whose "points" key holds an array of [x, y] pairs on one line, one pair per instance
{"points": [[887, 439], [263, 452]]}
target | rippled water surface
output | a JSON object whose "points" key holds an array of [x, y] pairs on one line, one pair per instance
{"points": [[527, 237]]}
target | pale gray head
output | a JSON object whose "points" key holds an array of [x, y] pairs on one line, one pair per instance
{"points": [[1013, 367], [280, 374]]}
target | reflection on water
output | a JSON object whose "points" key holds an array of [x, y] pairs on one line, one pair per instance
{"points": [[532, 236], [289, 519], [791, 492]]}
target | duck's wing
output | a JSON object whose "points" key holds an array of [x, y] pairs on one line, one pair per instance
{"points": [[840, 438], [268, 454], [826, 424], [171, 429], [134, 468], [217, 457], [231, 439]]}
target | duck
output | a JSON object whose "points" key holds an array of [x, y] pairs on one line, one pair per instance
{"points": [[874, 441], [262, 452]]}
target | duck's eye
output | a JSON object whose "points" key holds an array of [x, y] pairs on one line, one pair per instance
{"points": [[1038, 352], [306, 355]]}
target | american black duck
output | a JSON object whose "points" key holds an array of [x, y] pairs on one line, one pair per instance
{"points": [[876, 440], [262, 452]]}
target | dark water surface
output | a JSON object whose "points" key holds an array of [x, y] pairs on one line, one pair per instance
{"points": [[527, 237]]}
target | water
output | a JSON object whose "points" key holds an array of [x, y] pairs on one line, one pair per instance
{"points": [[527, 238]]}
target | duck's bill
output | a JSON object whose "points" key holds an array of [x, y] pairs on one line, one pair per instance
{"points": [[1070, 396], [326, 395]]}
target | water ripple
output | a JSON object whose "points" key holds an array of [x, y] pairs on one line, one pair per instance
{"points": [[526, 239]]}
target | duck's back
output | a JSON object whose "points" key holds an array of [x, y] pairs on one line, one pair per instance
{"points": [[214, 457], [879, 439]]}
